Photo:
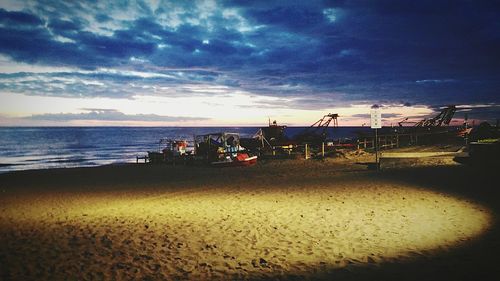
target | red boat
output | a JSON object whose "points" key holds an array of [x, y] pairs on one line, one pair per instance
{"points": [[242, 159]]}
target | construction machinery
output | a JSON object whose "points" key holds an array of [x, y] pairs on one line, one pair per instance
{"points": [[317, 132], [443, 118]]}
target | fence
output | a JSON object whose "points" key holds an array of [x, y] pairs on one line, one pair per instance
{"points": [[397, 140]]}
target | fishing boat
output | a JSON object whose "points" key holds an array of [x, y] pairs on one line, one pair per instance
{"points": [[169, 150], [222, 150], [241, 159]]}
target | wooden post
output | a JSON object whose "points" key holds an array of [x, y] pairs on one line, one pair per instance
{"points": [[195, 145], [307, 152], [323, 149]]}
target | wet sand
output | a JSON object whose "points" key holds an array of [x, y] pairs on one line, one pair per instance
{"points": [[285, 220]]}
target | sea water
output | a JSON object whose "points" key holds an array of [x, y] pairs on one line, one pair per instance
{"points": [[23, 148]]}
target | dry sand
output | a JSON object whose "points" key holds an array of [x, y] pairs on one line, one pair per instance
{"points": [[279, 220]]}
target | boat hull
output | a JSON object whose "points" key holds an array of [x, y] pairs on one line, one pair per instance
{"points": [[249, 161]]}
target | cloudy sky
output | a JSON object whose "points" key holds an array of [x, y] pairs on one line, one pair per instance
{"points": [[207, 63]]}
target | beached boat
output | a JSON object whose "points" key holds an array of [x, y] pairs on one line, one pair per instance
{"points": [[169, 150], [223, 150], [241, 159]]}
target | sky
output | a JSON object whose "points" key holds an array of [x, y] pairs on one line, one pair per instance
{"points": [[240, 63]]}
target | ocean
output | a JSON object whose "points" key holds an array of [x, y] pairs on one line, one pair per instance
{"points": [[25, 148]]}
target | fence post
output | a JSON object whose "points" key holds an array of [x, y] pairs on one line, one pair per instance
{"points": [[323, 149], [307, 152]]}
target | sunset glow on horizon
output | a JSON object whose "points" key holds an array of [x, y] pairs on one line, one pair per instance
{"points": [[225, 63]]}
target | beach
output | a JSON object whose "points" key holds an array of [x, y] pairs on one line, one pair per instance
{"points": [[279, 220]]}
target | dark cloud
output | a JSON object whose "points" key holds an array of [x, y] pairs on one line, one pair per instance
{"points": [[110, 115], [488, 112], [422, 52], [19, 18]]}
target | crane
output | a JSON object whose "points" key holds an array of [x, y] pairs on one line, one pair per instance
{"points": [[317, 132]]}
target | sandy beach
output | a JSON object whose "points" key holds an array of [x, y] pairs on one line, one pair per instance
{"points": [[278, 220]]}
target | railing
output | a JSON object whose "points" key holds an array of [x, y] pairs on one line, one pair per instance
{"points": [[306, 150], [397, 140]]}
